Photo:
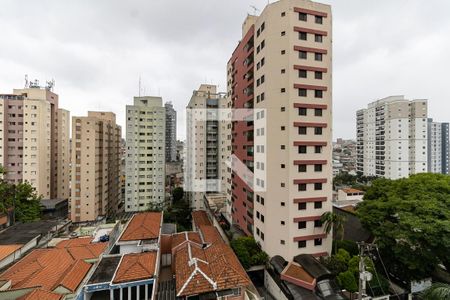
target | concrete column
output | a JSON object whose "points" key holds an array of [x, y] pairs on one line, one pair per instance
{"points": [[146, 291], [111, 294], [121, 293], [137, 292], [129, 292]]}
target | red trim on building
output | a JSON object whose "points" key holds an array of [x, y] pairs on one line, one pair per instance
{"points": [[310, 124], [316, 180], [309, 200], [310, 162], [309, 49], [310, 87], [310, 237], [309, 143], [309, 68], [309, 30], [310, 12], [306, 219], [310, 105]]}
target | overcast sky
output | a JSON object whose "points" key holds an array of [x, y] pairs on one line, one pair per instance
{"points": [[97, 50]]}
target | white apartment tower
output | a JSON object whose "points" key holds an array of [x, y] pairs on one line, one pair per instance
{"points": [[145, 154], [438, 147], [392, 138], [282, 68], [207, 145]]}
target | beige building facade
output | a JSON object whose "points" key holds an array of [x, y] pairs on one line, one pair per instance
{"points": [[96, 166], [35, 140], [145, 154], [283, 69], [207, 145]]}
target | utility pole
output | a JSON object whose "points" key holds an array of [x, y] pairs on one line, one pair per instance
{"points": [[364, 276]]}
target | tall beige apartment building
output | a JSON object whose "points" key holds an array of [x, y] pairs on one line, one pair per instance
{"points": [[207, 145], [282, 67], [34, 140], [145, 154], [96, 164], [392, 138]]}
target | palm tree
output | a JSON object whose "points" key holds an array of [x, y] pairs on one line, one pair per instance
{"points": [[330, 221], [437, 291]]}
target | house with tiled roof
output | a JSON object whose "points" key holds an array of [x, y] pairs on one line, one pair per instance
{"points": [[131, 269], [60, 270], [141, 233]]}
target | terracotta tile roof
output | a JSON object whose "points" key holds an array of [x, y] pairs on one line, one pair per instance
{"points": [[74, 242], [166, 244], [210, 234], [75, 275], [179, 238], [352, 191], [199, 270], [6, 250], [39, 294], [143, 226], [295, 274], [200, 218], [136, 266], [51, 267]]}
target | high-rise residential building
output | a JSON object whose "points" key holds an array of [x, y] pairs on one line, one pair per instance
{"points": [[171, 132], [145, 154], [207, 145], [34, 135], [392, 138], [96, 147], [282, 69], [438, 147]]}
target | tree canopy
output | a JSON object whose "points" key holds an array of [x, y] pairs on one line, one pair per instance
{"points": [[248, 252], [410, 220], [21, 197]]}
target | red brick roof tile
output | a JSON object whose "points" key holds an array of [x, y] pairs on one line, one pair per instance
{"points": [[143, 226], [75, 275], [39, 294], [82, 241], [6, 250], [200, 218], [210, 234], [136, 266]]}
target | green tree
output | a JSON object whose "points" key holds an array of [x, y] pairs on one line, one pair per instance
{"points": [[249, 252], [410, 219], [437, 291], [346, 280], [177, 194], [332, 221], [21, 197]]}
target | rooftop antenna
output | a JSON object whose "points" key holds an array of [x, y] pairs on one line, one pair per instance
{"points": [[139, 85], [26, 80], [255, 9]]}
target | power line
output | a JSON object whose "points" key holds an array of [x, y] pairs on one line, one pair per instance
{"points": [[385, 270]]}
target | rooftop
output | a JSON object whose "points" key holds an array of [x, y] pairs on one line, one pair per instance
{"points": [[6, 250], [105, 269], [22, 233], [143, 226], [50, 268], [39, 294], [352, 191], [136, 266], [52, 203], [200, 218]]}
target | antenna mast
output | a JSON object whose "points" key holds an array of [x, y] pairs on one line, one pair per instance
{"points": [[255, 9]]}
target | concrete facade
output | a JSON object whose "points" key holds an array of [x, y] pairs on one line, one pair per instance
{"points": [[282, 68], [171, 133], [438, 147], [392, 138], [96, 166], [145, 154], [207, 145], [34, 136]]}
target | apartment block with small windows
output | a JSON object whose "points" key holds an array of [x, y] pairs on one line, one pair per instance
{"points": [[145, 154], [96, 190], [171, 132], [282, 68], [438, 147], [392, 138], [34, 140], [207, 145]]}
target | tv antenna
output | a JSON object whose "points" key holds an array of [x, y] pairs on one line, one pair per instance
{"points": [[255, 9], [26, 80]]}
